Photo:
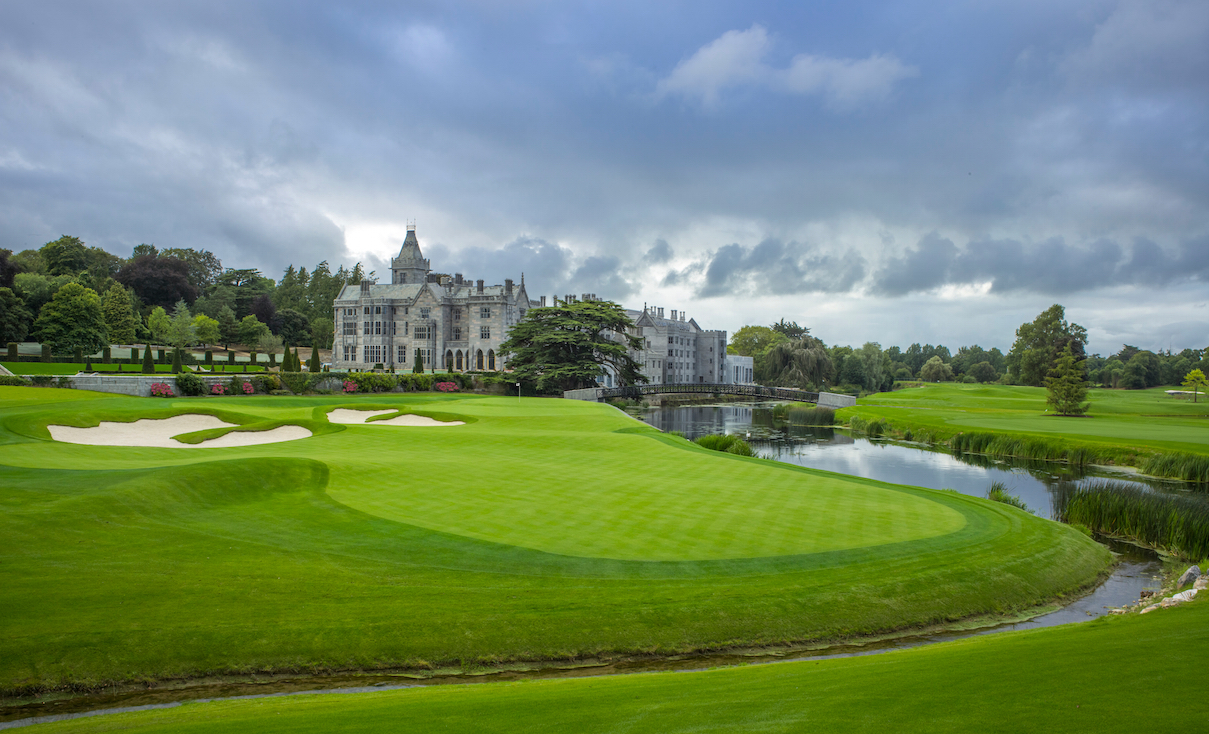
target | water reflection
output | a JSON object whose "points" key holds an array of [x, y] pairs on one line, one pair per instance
{"points": [[831, 450]]}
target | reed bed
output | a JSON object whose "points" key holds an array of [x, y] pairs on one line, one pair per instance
{"points": [[1189, 467], [726, 443], [800, 415], [1174, 523], [872, 428], [998, 492], [1023, 447]]}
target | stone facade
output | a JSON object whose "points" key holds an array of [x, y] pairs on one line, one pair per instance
{"points": [[675, 349], [456, 324]]}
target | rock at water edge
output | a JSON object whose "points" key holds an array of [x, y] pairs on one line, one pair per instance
{"points": [[1190, 576]]}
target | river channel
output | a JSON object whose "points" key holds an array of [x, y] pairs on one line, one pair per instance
{"points": [[827, 449]]}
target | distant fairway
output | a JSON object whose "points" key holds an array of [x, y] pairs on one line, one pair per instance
{"points": [[540, 529], [1117, 418]]}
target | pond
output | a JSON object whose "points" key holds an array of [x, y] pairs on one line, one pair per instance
{"points": [[884, 460]]}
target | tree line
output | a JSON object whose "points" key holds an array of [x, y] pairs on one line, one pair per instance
{"points": [[70, 295], [785, 354]]}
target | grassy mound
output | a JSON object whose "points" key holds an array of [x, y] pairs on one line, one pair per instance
{"points": [[541, 529], [1110, 675]]}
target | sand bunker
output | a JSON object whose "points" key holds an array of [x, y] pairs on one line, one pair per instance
{"points": [[346, 416], [158, 433]]}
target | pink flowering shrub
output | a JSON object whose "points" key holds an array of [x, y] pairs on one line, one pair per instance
{"points": [[161, 390], [447, 386], [218, 389], [248, 389], [350, 386]]}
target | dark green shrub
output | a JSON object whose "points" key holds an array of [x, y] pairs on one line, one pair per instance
{"points": [[42, 380], [148, 364], [190, 384], [46, 353], [13, 354], [375, 382], [209, 358], [266, 383], [272, 359], [88, 364], [231, 357], [12, 381], [107, 355], [298, 382], [176, 361], [64, 382], [160, 356], [78, 354], [313, 364], [134, 355]]}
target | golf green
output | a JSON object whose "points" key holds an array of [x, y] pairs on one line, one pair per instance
{"points": [[540, 529]]}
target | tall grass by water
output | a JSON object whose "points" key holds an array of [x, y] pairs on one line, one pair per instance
{"points": [[726, 443], [1189, 467], [1174, 523], [801, 415], [1023, 447], [999, 493]]}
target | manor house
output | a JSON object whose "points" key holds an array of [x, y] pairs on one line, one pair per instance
{"points": [[455, 323]]}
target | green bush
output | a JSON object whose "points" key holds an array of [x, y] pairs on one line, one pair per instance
{"points": [[231, 357], [190, 384], [13, 354], [726, 443], [107, 355], [209, 358], [12, 381], [266, 383], [176, 361], [77, 354], [46, 353], [298, 382]]}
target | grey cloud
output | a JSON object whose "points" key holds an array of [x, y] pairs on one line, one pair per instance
{"points": [[1051, 267], [659, 253], [549, 268], [602, 276], [779, 268]]}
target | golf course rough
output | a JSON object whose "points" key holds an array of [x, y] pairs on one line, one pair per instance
{"points": [[539, 529]]}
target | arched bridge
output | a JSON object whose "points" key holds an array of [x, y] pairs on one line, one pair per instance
{"points": [[757, 392]]}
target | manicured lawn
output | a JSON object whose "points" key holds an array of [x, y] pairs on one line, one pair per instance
{"points": [[541, 529], [65, 368], [1116, 674], [1125, 418]]}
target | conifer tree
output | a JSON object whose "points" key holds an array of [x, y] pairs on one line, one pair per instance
{"points": [[176, 361], [119, 314], [148, 362], [1067, 385], [418, 366], [314, 363]]}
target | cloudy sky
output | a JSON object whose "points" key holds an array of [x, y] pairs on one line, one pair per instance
{"points": [[891, 171]]}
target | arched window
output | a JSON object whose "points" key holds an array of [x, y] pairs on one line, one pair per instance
{"points": [[478, 360], [448, 360], [491, 360], [458, 357]]}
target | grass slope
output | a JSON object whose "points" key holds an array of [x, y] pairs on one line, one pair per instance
{"points": [[1127, 419], [1111, 675], [66, 368], [541, 529]]}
